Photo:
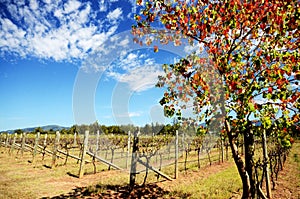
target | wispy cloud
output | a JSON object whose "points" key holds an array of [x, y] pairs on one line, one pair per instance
{"points": [[114, 15], [58, 30], [136, 70], [141, 79], [130, 114], [198, 47]]}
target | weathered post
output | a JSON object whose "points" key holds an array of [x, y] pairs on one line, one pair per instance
{"points": [[75, 142], [55, 147], [45, 140], [128, 148], [134, 159], [44, 146], [12, 147], [7, 140], [23, 143], [222, 149], [84, 149], [36, 143], [176, 155], [97, 142], [266, 165]]}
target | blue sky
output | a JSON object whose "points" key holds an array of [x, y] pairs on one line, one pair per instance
{"points": [[71, 62]]}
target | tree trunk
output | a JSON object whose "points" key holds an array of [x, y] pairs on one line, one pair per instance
{"points": [[239, 163], [198, 157], [249, 157], [147, 170], [134, 159]]}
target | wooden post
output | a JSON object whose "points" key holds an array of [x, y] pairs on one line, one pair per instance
{"points": [[128, 148], [55, 147], [7, 140], [97, 142], [36, 143], [12, 147], [23, 143], [176, 155], [75, 142], [266, 165], [45, 140], [84, 149], [134, 158], [44, 146], [222, 149]]}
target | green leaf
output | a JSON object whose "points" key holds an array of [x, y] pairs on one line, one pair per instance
{"points": [[251, 107]]}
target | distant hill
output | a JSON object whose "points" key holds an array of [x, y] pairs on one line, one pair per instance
{"points": [[45, 128]]}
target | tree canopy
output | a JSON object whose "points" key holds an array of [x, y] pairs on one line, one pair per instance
{"points": [[246, 68]]}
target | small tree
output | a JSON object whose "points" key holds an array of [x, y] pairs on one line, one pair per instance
{"points": [[250, 68], [38, 129]]}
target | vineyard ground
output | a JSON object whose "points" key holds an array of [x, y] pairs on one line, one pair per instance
{"points": [[22, 179]]}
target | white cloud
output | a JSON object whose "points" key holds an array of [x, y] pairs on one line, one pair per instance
{"points": [[33, 4], [71, 6], [134, 68], [134, 114], [138, 77], [70, 30], [47, 1], [102, 6], [115, 15], [141, 78], [124, 42], [131, 57], [130, 114], [195, 48], [58, 30]]}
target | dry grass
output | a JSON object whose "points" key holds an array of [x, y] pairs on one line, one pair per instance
{"points": [[22, 179]]}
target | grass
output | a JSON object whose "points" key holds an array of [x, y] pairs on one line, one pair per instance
{"points": [[21, 179], [213, 186]]}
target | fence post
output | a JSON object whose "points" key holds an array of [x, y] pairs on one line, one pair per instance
{"points": [[75, 142], [97, 142], [128, 148], [12, 147], [55, 147], [222, 149], [36, 143], [266, 159], [85, 146], [176, 155], [45, 140], [6, 140], [23, 143], [134, 158]]}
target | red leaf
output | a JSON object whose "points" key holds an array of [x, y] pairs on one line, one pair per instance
{"points": [[270, 89]]}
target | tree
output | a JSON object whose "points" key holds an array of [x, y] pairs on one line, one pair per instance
{"points": [[147, 130], [19, 131], [72, 129], [253, 54]]}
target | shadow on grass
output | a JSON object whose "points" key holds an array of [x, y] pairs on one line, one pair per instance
{"points": [[120, 191]]}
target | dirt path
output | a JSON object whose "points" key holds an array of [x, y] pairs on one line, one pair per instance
{"points": [[288, 183]]}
